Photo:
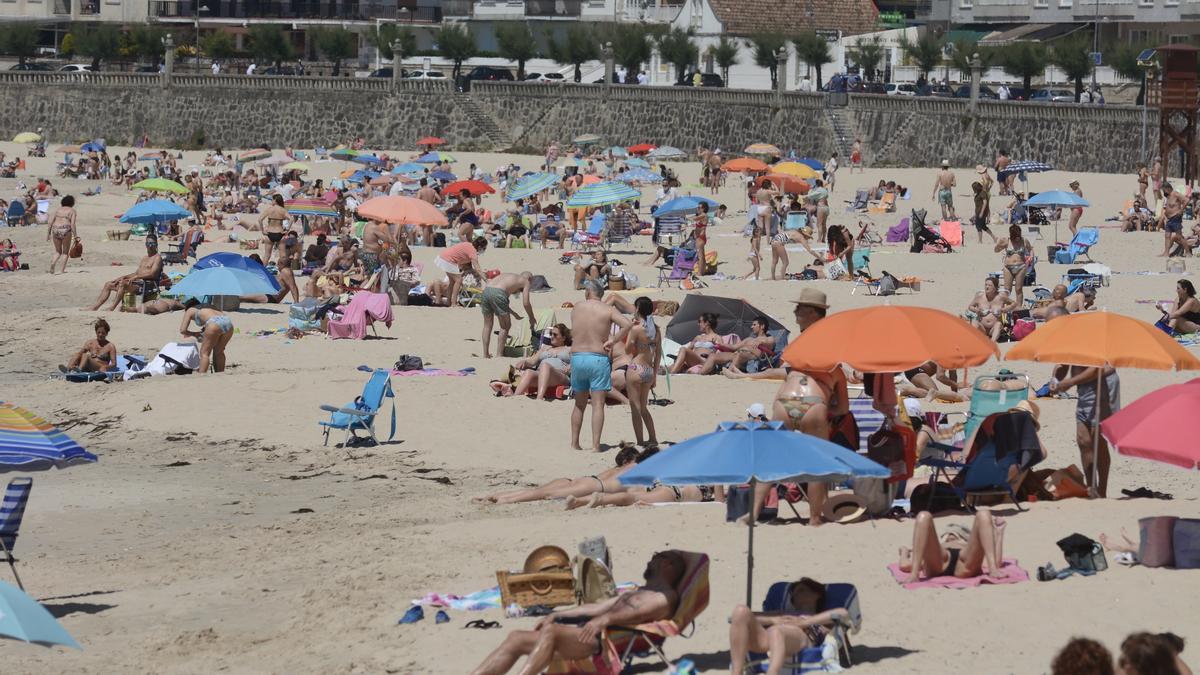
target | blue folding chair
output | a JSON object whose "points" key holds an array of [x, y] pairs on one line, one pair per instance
{"points": [[981, 473], [1084, 239], [811, 659], [12, 509], [990, 399], [360, 413], [15, 213]]}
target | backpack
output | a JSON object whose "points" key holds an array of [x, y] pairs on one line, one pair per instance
{"points": [[439, 239], [409, 362], [888, 284], [593, 580]]}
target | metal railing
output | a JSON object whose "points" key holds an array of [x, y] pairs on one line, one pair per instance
{"points": [[360, 10]]}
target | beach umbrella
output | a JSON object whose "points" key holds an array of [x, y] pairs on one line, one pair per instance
{"points": [[383, 180], [1102, 339], [744, 164], [795, 169], [343, 153], [371, 160], [402, 210], [409, 167], [68, 149], [636, 163], [23, 618], [97, 145], [295, 166], [1020, 168], [889, 339], [239, 262], [573, 161], [310, 207], [475, 187], [639, 176], [762, 149], [751, 452], [1158, 426], [618, 151], [274, 160], [789, 184], [212, 281], [733, 316], [640, 148], [811, 163], [362, 176], [666, 152], [160, 185], [1057, 199], [27, 137], [601, 194], [686, 204], [253, 155], [435, 157], [586, 139], [30, 443], [430, 141], [444, 176], [154, 211], [530, 185]]}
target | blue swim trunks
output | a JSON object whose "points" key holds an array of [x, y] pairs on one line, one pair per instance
{"points": [[590, 372]]}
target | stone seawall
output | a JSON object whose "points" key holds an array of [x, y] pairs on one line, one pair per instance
{"points": [[240, 111]]}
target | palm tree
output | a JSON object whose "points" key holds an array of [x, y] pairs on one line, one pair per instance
{"points": [[766, 46], [813, 50], [515, 42], [1025, 60], [1123, 59], [677, 48], [631, 48], [457, 45], [1075, 58], [961, 55], [725, 54], [926, 52], [386, 34], [868, 54], [577, 48]]}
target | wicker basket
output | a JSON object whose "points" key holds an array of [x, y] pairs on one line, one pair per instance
{"points": [[539, 588], [616, 283]]}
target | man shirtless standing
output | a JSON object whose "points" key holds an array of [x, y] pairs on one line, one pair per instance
{"points": [[494, 305], [591, 368], [427, 194], [943, 190], [1173, 204]]}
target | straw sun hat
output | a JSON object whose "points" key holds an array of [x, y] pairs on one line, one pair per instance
{"points": [[844, 509]]}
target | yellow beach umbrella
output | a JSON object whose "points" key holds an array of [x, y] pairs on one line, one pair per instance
{"points": [[160, 185], [294, 166], [27, 137], [795, 169]]}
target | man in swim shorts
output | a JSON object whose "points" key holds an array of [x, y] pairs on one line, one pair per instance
{"points": [[1173, 205], [494, 303], [592, 336], [943, 190]]}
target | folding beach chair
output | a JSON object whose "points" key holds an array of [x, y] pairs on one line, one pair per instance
{"points": [[795, 221], [886, 205], [860, 201], [1080, 244], [981, 472], [360, 413], [15, 214], [683, 267], [12, 509], [812, 659], [620, 645], [593, 237], [990, 394], [184, 249]]}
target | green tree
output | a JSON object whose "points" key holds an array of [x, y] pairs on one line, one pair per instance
{"points": [[219, 44], [335, 44], [1074, 57], [269, 42], [765, 46], [925, 53], [725, 54], [868, 54], [813, 50], [145, 42], [97, 42], [678, 49], [515, 42], [1123, 60], [961, 53], [457, 45], [631, 48], [19, 39], [1025, 60], [577, 47], [385, 34]]}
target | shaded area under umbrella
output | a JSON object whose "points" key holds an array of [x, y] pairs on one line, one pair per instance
{"points": [[733, 316], [237, 261], [23, 618]]}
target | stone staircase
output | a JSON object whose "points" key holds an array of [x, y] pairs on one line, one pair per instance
{"points": [[842, 136], [899, 136], [485, 123], [523, 131]]}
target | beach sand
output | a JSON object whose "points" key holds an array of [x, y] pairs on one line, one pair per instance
{"points": [[217, 533]]}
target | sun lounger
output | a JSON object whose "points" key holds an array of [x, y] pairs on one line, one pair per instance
{"points": [[360, 413], [985, 470], [12, 509], [814, 659], [860, 201], [886, 205], [1080, 244]]}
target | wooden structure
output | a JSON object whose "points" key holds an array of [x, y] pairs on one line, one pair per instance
{"points": [[1174, 92]]}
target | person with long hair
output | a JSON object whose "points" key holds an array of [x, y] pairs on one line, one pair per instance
{"points": [[644, 346], [544, 370], [1185, 318], [61, 227], [215, 332], [802, 624], [1016, 249]]}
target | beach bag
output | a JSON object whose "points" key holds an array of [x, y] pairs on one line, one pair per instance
{"points": [[1156, 541], [1186, 540], [1083, 553], [886, 447], [835, 270], [552, 588], [408, 362], [888, 284], [1176, 265], [710, 262], [77, 248], [631, 280], [439, 239], [305, 310], [1022, 328], [593, 580]]}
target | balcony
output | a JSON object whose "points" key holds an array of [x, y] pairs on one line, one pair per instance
{"points": [[86, 7], [549, 9], [294, 9]]}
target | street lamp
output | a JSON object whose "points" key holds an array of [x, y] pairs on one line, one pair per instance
{"points": [[198, 10]]}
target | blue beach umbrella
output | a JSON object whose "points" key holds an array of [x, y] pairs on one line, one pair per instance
{"points": [[751, 452], [666, 152], [23, 618], [367, 159], [214, 281], [532, 184], [443, 176], [637, 163], [97, 145], [639, 176], [601, 194], [153, 211], [685, 204], [409, 167], [237, 261], [363, 175], [811, 163], [30, 443], [618, 151], [1057, 199]]}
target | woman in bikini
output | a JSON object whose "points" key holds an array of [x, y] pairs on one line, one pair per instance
{"points": [[274, 216], [1076, 212], [1156, 175], [542, 372], [289, 250], [215, 330], [1016, 249], [61, 228], [97, 355], [781, 239], [655, 494], [801, 624], [695, 352], [1186, 316], [644, 346], [700, 232], [627, 457], [810, 403], [961, 552], [987, 306], [923, 383]]}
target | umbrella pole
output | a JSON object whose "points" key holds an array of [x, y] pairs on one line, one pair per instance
{"points": [[750, 550], [1096, 430]]}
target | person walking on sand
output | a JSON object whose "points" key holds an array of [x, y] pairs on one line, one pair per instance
{"points": [[856, 156], [1076, 212], [61, 227], [982, 211], [494, 303], [943, 190], [1172, 219], [592, 335]]}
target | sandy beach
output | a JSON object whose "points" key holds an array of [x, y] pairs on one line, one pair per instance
{"points": [[217, 533]]}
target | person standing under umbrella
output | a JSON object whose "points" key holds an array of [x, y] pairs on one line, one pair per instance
{"points": [[215, 332], [1077, 211]]}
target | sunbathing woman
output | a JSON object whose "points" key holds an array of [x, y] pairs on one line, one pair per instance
{"points": [[657, 494], [781, 634], [1186, 316], [606, 481], [695, 352], [957, 553], [1016, 249], [152, 307], [547, 369], [988, 305], [97, 355], [923, 383], [758, 346]]}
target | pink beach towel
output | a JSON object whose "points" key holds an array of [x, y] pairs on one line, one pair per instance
{"points": [[1015, 575], [364, 309]]}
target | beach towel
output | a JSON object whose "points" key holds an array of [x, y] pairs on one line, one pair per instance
{"points": [[1015, 575], [425, 371]]}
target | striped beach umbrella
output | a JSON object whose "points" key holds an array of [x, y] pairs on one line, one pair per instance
{"points": [[310, 207], [762, 149], [666, 152], [435, 157], [30, 443], [602, 194], [254, 155], [639, 176], [160, 185], [344, 153], [532, 184]]}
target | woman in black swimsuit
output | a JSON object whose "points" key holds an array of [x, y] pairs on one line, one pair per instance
{"points": [[655, 494], [958, 553], [1186, 317], [97, 355]]}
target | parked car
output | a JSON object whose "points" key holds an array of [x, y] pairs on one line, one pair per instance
{"points": [[706, 80], [964, 91], [386, 71], [425, 75], [32, 65], [489, 73], [874, 88], [278, 70], [1053, 96], [893, 89], [76, 68], [552, 78], [937, 90]]}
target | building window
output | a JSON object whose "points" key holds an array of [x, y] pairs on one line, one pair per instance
{"points": [[1063, 4], [1171, 3], [1178, 39], [1145, 3], [966, 4]]}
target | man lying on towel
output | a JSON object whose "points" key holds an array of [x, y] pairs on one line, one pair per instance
{"points": [[579, 633]]}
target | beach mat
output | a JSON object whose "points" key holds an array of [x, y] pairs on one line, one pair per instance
{"points": [[1015, 576]]}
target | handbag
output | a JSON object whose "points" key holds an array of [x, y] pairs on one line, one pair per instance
{"points": [[76, 248], [886, 447], [1083, 553]]}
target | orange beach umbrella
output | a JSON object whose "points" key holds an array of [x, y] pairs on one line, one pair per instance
{"points": [[889, 339], [430, 141], [789, 184], [744, 164], [402, 210]]}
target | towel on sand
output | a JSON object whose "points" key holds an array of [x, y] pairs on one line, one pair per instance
{"points": [[1015, 575]]}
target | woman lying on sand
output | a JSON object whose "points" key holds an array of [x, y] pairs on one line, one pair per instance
{"points": [[658, 494], [958, 553], [606, 481]]}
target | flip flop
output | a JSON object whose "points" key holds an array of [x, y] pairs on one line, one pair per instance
{"points": [[413, 615], [482, 625]]}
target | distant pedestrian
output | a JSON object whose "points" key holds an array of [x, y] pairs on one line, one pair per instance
{"points": [[251, 68], [216, 68]]}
